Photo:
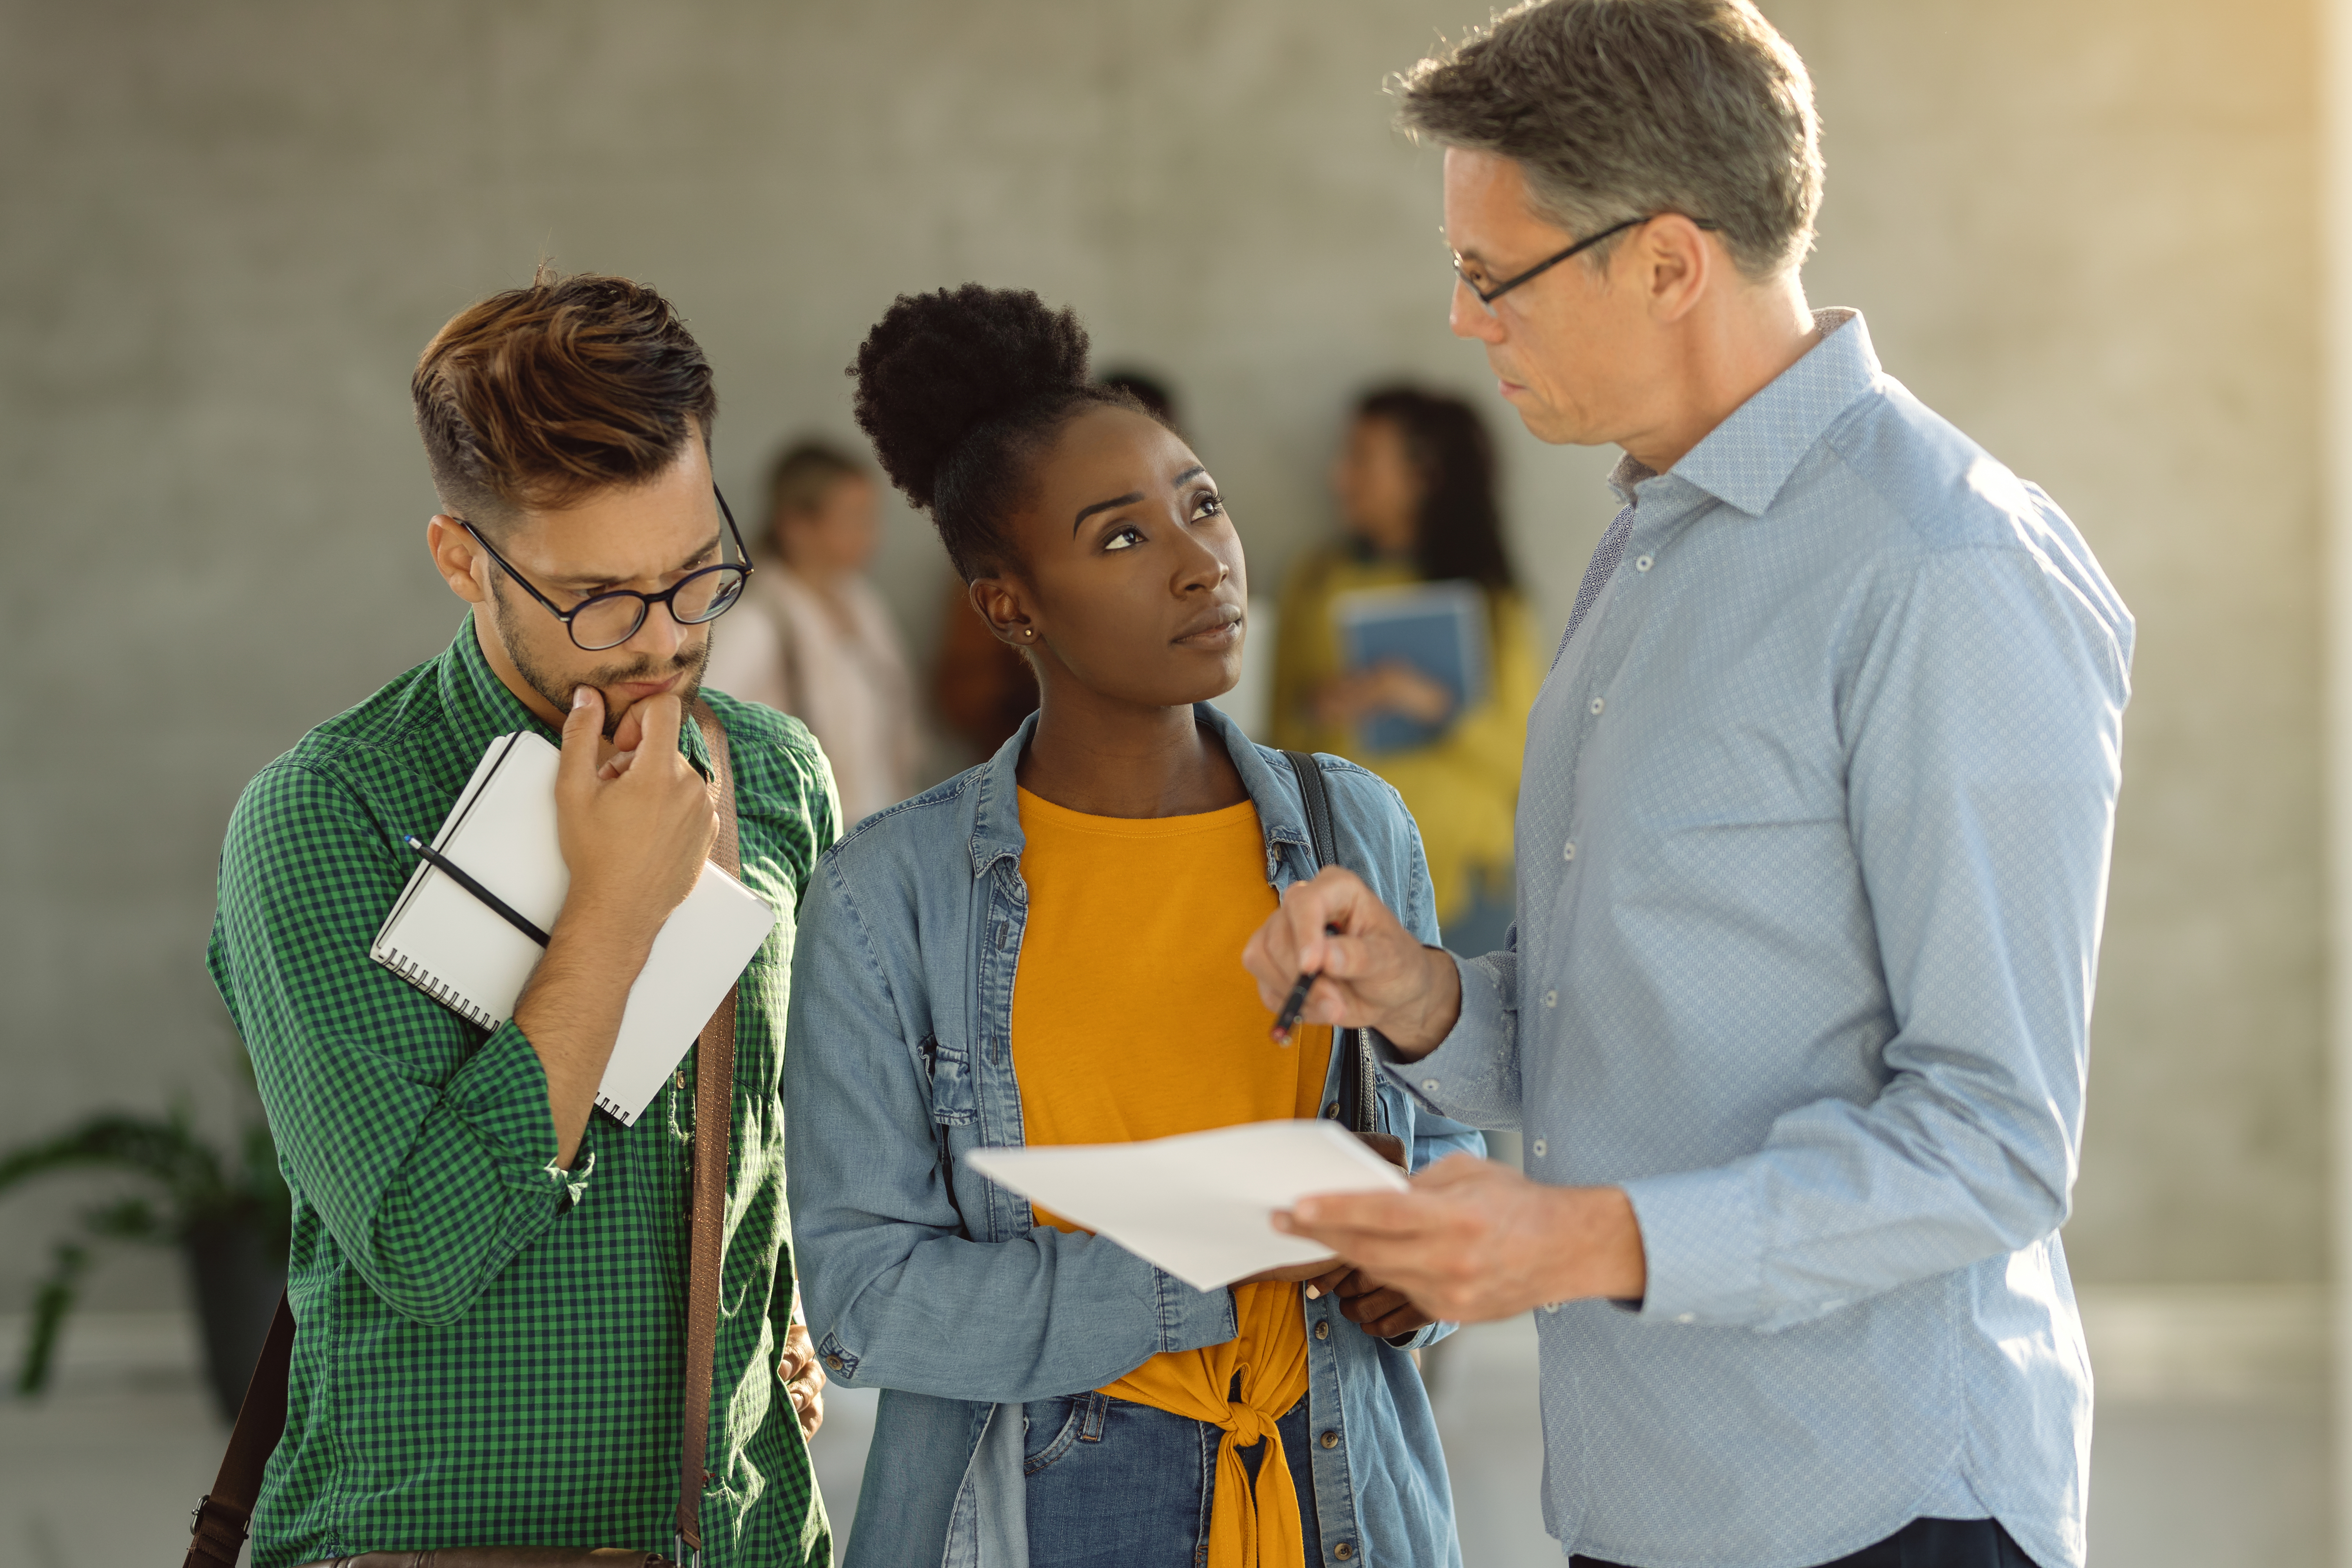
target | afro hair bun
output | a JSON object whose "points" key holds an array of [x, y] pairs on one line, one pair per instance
{"points": [[937, 366]]}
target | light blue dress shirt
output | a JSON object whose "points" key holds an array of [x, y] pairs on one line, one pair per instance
{"points": [[1812, 857]]}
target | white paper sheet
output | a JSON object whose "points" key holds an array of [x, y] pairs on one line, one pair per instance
{"points": [[1200, 1206]]}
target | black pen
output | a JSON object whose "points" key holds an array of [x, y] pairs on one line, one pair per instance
{"points": [[490, 901], [1287, 1021]]}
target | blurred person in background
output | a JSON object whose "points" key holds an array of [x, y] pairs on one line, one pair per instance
{"points": [[815, 640], [1812, 859], [1041, 952], [981, 688], [1415, 483]]}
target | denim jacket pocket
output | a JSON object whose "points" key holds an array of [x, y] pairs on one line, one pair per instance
{"points": [[952, 1103]]}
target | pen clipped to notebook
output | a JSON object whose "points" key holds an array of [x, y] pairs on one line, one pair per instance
{"points": [[471, 927], [495, 904]]}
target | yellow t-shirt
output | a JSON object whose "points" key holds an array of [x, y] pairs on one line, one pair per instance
{"points": [[1132, 1017]]}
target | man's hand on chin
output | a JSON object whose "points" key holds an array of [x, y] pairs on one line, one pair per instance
{"points": [[1473, 1241]]}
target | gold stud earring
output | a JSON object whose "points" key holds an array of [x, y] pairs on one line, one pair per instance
{"points": [[1028, 631]]}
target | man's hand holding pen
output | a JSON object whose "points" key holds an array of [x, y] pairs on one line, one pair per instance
{"points": [[1366, 969]]}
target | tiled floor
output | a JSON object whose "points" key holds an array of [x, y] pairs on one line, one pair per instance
{"points": [[104, 1473]]}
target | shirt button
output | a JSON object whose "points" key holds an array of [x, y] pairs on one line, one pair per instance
{"points": [[1322, 1331], [1344, 1551], [1568, 850], [1552, 1306], [1641, 563], [1552, 998], [1539, 1148], [1429, 1085], [833, 1362], [1687, 1318], [1329, 1439], [1599, 703]]}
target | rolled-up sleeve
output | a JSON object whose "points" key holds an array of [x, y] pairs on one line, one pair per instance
{"points": [[428, 1149], [1983, 730]]}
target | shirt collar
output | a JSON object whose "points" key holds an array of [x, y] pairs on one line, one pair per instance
{"points": [[481, 708], [996, 813], [1745, 460]]}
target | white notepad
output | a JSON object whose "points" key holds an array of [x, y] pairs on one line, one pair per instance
{"points": [[453, 948], [1202, 1205]]}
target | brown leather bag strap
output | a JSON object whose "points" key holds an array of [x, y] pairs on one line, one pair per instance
{"points": [[714, 1114], [226, 1515]]}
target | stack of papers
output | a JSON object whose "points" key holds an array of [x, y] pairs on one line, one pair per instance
{"points": [[1200, 1206]]}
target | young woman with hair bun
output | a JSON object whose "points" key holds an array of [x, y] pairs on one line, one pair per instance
{"points": [[1046, 949]]}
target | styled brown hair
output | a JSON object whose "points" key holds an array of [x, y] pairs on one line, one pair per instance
{"points": [[538, 396], [1622, 109]]}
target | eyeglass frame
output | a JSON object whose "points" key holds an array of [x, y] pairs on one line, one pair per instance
{"points": [[666, 598], [1487, 297]]}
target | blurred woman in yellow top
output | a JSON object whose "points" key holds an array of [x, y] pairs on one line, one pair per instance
{"points": [[1415, 483]]}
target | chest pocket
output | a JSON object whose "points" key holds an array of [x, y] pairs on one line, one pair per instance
{"points": [[950, 1067]]}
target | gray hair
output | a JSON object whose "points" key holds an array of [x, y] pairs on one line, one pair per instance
{"points": [[1620, 109]]}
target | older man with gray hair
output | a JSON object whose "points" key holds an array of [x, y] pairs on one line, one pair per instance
{"points": [[1812, 856]]}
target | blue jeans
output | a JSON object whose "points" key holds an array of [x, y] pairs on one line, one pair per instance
{"points": [[1114, 1484]]}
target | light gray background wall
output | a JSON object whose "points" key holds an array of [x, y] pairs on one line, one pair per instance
{"points": [[2081, 230]]}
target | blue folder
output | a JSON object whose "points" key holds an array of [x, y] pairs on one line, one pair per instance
{"points": [[1439, 628]]}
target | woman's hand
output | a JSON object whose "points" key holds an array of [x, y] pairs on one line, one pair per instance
{"points": [[1392, 687], [802, 1379], [1382, 1310]]}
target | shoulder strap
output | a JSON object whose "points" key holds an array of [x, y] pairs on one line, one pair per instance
{"points": [[226, 1516], [227, 1513], [1359, 1073], [714, 1116]]}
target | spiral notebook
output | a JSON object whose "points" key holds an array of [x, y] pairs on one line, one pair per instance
{"points": [[463, 953]]}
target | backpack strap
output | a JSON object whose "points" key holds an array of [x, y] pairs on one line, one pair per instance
{"points": [[1359, 1075]]}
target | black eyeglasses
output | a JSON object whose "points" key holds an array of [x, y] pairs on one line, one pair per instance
{"points": [[1488, 296], [608, 620]]}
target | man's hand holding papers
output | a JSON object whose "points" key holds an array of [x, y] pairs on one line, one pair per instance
{"points": [[1474, 1240], [1197, 1205]]}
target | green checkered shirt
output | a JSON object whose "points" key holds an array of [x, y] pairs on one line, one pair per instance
{"points": [[490, 1349]]}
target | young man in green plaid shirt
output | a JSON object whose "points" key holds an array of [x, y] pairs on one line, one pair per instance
{"points": [[488, 1281]]}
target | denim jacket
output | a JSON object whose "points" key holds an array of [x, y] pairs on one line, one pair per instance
{"points": [[924, 1280]]}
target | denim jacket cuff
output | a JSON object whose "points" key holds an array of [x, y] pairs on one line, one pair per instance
{"points": [[1193, 1319]]}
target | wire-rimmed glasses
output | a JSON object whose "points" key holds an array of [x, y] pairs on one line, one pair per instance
{"points": [[608, 620], [1487, 297]]}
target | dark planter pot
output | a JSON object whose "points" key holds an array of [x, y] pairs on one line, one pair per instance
{"points": [[237, 1276]]}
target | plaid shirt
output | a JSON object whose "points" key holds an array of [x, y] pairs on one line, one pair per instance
{"points": [[489, 1348]]}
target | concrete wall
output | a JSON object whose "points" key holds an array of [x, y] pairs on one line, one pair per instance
{"points": [[2081, 231]]}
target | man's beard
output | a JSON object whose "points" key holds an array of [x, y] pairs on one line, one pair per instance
{"points": [[690, 663]]}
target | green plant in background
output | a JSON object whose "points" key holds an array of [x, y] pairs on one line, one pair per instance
{"points": [[198, 1197]]}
